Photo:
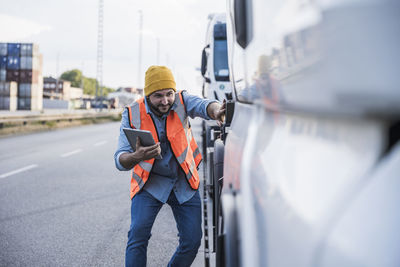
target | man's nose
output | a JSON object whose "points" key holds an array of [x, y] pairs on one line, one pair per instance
{"points": [[164, 100]]}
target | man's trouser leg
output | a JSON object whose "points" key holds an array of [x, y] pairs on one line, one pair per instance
{"points": [[188, 221], [144, 210]]}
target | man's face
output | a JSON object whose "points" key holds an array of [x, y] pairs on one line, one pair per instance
{"points": [[161, 101]]}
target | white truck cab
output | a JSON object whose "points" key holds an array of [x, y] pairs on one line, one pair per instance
{"points": [[214, 60], [311, 155]]}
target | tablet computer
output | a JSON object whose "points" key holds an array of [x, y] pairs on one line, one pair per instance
{"points": [[146, 139]]}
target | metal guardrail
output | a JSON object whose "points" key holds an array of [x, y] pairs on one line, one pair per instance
{"points": [[29, 117]]}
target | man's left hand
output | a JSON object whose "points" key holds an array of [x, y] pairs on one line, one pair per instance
{"points": [[217, 111]]}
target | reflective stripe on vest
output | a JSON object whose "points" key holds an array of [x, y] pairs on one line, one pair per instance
{"points": [[179, 135]]}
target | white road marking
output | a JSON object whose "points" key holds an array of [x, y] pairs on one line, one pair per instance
{"points": [[18, 171], [100, 143], [71, 153]]}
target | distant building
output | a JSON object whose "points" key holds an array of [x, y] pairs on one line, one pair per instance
{"points": [[124, 96], [53, 88], [132, 90], [59, 89]]}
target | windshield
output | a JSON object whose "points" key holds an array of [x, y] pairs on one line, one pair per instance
{"points": [[221, 71]]}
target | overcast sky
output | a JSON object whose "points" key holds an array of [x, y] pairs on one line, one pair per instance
{"points": [[67, 30]]}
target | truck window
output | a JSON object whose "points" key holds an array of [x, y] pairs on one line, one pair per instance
{"points": [[221, 71]]}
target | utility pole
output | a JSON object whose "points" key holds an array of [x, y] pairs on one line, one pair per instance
{"points": [[99, 70], [139, 80]]}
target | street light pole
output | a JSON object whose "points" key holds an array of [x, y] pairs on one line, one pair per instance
{"points": [[57, 76], [99, 70]]}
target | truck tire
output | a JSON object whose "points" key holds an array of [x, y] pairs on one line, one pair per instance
{"points": [[218, 172], [232, 243]]}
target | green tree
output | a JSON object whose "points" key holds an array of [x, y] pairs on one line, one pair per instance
{"points": [[89, 84], [74, 76]]}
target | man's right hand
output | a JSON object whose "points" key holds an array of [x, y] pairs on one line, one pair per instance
{"points": [[129, 160], [147, 152]]}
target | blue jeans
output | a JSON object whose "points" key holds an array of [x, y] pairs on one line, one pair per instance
{"points": [[144, 210]]}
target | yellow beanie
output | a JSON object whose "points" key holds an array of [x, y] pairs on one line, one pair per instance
{"points": [[158, 78]]}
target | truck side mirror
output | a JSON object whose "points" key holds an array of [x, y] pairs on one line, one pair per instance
{"points": [[243, 19], [204, 63]]}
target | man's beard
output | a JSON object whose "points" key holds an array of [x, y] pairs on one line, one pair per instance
{"points": [[157, 110]]}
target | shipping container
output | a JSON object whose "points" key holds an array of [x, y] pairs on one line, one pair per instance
{"points": [[29, 63], [40, 62], [8, 101], [36, 103], [3, 49], [3, 62], [3, 75], [13, 103], [4, 103], [25, 63], [13, 49], [24, 90], [12, 75], [37, 90], [37, 97], [25, 76], [37, 77], [30, 90], [4, 89], [29, 49], [24, 103], [13, 89], [13, 62], [8, 89], [31, 95]]}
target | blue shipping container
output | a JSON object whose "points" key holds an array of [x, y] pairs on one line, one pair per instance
{"points": [[14, 49], [3, 75], [3, 49], [29, 49], [13, 63], [3, 62]]}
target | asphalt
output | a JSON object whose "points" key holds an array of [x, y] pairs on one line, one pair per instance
{"points": [[63, 203]]}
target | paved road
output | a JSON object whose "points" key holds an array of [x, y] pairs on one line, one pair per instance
{"points": [[63, 203]]}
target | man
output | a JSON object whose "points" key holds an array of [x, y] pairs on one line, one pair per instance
{"points": [[173, 179]]}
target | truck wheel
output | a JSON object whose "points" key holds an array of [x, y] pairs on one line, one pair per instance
{"points": [[231, 240], [218, 172]]}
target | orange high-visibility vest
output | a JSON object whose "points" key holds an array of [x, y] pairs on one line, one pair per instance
{"points": [[179, 135]]}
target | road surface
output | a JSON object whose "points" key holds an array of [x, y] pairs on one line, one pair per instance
{"points": [[63, 203]]}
